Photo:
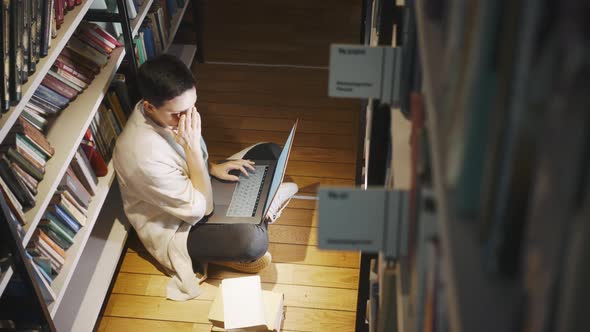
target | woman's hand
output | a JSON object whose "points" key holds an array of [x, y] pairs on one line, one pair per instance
{"points": [[221, 171], [188, 133]]}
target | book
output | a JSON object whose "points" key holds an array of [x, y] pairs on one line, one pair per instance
{"points": [[70, 77], [34, 136], [56, 238], [94, 41], [46, 106], [67, 195], [45, 250], [16, 50], [65, 81], [40, 234], [27, 179], [52, 222], [35, 120], [59, 87], [82, 168], [30, 149], [122, 94], [44, 264], [117, 108], [273, 303], [15, 184], [36, 7], [64, 217], [26, 39], [55, 98], [27, 148], [69, 208], [58, 8], [76, 69], [243, 306], [70, 182], [5, 56], [86, 51], [13, 203], [19, 159], [80, 61], [45, 32], [101, 33], [151, 20]]}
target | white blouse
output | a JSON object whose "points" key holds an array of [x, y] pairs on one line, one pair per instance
{"points": [[159, 198]]}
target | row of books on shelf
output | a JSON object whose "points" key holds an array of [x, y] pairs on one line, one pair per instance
{"points": [[156, 26], [26, 152], [27, 29], [71, 73], [153, 36], [68, 209]]}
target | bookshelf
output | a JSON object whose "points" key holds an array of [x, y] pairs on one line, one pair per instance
{"points": [[141, 14], [174, 24], [66, 134], [79, 310], [71, 21], [61, 282], [73, 125], [91, 261], [472, 295]]}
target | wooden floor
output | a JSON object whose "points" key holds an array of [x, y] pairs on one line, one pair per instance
{"points": [[241, 105]]}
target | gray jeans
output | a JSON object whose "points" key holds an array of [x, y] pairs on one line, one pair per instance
{"points": [[232, 242]]}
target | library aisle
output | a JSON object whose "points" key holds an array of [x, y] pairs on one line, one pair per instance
{"points": [[241, 105]]}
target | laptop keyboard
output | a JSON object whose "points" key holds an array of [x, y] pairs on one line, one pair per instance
{"points": [[246, 195]]}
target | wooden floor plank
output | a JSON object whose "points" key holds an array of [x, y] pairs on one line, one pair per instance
{"points": [[311, 184], [300, 153], [307, 204], [311, 255], [297, 217], [303, 126], [292, 234], [283, 273], [276, 112], [295, 295], [123, 324], [243, 136], [297, 254], [195, 311], [270, 99]]}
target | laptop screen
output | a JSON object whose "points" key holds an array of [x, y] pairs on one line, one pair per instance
{"points": [[277, 178]]}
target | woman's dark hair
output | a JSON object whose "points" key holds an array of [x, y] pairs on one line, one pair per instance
{"points": [[163, 78]]}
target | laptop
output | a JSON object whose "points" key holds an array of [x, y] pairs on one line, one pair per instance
{"points": [[248, 200]]}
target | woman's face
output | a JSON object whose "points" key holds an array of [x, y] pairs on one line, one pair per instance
{"points": [[169, 113]]}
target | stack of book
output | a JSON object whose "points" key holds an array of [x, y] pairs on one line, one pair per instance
{"points": [[242, 305], [25, 152], [27, 29], [73, 70], [64, 217], [106, 126]]}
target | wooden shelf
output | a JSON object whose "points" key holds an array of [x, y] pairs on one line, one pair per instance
{"points": [[60, 284], [66, 134], [79, 310], [71, 22], [141, 14], [5, 278], [174, 24], [185, 52], [471, 294]]}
